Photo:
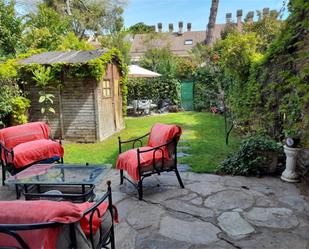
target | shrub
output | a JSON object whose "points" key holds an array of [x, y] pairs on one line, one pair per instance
{"points": [[8, 91], [205, 90], [20, 106], [155, 89], [253, 158]]}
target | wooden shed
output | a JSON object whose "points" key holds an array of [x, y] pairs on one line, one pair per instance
{"points": [[86, 109]]}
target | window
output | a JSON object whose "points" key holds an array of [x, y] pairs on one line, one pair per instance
{"points": [[106, 89], [189, 42]]}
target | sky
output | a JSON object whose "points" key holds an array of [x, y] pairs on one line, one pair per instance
{"points": [[152, 12]]}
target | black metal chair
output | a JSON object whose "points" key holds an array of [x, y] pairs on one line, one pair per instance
{"points": [[156, 166], [101, 239], [7, 154]]}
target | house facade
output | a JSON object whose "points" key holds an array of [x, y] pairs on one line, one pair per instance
{"points": [[182, 40]]}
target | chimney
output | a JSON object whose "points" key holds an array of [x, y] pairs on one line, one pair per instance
{"points": [[250, 16], [170, 28], [239, 21], [265, 12], [160, 27], [189, 26], [228, 17], [180, 26]]}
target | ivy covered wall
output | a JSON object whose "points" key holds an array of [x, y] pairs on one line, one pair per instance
{"points": [[278, 87]]}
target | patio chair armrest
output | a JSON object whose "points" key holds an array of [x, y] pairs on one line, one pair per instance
{"points": [[157, 147], [134, 140]]}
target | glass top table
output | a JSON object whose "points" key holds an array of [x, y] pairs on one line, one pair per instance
{"points": [[76, 181]]}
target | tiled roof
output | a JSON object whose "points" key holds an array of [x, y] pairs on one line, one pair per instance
{"points": [[69, 57], [172, 39]]}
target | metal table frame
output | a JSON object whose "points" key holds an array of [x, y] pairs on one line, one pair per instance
{"points": [[76, 192]]}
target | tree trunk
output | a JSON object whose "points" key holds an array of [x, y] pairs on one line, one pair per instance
{"points": [[212, 22]]}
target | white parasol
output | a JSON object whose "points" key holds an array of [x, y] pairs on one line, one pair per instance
{"points": [[139, 72]]}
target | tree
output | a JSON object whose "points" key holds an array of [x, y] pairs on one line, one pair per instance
{"points": [[118, 40], [71, 42], [266, 29], [160, 60], [45, 28], [10, 29], [212, 22], [140, 28], [99, 17]]}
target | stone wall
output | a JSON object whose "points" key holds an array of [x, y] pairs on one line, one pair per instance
{"points": [[303, 163]]}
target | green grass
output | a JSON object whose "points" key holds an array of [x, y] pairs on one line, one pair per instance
{"points": [[204, 133]]}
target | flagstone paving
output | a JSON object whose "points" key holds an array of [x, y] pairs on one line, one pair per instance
{"points": [[211, 212], [217, 212]]}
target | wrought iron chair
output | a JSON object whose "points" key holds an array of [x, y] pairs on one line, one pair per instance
{"points": [[71, 236], [35, 135], [158, 162]]}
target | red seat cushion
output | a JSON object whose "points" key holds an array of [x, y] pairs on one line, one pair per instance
{"points": [[34, 151], [31, 212], [128, 161]]}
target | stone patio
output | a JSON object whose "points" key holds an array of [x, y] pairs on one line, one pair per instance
{"points": [[211, 212]]}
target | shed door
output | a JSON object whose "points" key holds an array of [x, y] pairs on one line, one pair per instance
{"points": [[117, 99], [106, 109], [187, 95]]}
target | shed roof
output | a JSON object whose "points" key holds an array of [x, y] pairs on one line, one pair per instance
{"points": [[69, 57]]}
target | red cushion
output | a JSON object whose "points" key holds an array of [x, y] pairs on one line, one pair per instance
{"points": [[31, 212], [128, 161], [15, 135], [162, 133], [34, 151]]}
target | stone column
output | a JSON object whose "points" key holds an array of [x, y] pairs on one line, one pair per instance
{"points": [[289, 174]]}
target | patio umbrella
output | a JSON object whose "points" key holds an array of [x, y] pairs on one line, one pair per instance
{"points": [[139, 72]]}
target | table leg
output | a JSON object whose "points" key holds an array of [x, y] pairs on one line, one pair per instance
{"points": [[17, 191], [25, 192]]}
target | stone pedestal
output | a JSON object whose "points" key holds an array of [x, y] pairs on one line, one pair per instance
{"points": [[289, 174]]}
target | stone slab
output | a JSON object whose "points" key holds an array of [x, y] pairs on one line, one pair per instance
{"points": [[189, 209], [183, 148], [144, 215], [273, 240], [125, 236], [187, 231], [229, 199], [234, 225], [282, 218], [205, 188], [182, 154], [156, 241], [295, 202]]}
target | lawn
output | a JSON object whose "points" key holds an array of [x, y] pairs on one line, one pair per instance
{"points": [[203, 133]]}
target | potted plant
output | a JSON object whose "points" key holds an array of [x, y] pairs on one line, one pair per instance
{"points": [[291, 149]]}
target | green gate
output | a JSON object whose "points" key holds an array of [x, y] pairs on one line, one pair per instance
{"points": [[187, 95]]}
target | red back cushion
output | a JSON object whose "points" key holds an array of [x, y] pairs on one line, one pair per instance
{"points": [[12, 136], [163, 133]]}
